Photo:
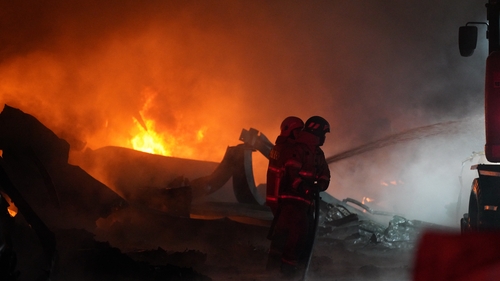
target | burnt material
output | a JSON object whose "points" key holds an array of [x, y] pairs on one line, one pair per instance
{"points": [[21, 132], [36, 160], [83, 258]]}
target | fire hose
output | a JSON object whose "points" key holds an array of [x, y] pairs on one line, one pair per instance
{"points": [[317, 200]]}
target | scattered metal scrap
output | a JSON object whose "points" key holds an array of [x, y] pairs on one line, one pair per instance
{"points": [[366, 208], [355, 228], [237, 163], [257, 141]]}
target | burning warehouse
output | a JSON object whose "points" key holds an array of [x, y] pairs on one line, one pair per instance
{"points": [[118, 117]]}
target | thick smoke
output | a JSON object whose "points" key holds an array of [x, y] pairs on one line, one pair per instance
{"points": [[372, 68]]}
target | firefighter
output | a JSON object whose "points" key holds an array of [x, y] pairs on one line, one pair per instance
{"points": [[306, 172], [290, 128]]}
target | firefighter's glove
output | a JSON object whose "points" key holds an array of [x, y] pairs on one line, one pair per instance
{"points": [[304, 188], [322, 185]]}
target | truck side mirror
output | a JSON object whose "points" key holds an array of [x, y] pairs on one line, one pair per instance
{"points": [[467, 40]]}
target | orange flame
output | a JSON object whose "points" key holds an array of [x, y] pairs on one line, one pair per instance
{"points": [[12, 209], [366, 200], [149, 141], [147, 138]]}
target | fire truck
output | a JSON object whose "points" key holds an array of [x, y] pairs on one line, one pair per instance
{"points": [[484, 203]]}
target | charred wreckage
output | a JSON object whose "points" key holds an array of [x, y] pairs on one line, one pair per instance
{"points": [[58, 202]]}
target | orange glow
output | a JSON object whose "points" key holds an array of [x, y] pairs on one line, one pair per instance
{"points": [[12, 209], [366, 200], [392, 182], [200, 134], [146, 89], [147, 137], [149, 141]]}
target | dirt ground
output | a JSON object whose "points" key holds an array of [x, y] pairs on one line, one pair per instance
{"points": [[331, 261]]}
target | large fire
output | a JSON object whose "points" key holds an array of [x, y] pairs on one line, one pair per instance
{"points": [[147, 138], [150, 141]]}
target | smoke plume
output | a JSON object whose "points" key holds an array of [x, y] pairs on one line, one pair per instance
{"points": [[95, 72]]}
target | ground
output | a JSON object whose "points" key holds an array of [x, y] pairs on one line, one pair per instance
{"points": [[142, 245]]}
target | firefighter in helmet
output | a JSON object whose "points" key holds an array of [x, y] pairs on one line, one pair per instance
{"points": [[306, 173], [290, 128]]}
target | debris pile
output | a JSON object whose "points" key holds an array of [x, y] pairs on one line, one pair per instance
{"points": [[36, 161], [66, 203], [343, 222]]}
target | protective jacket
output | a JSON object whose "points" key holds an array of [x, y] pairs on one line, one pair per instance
{"points": [[275, 170], [305, 170]]}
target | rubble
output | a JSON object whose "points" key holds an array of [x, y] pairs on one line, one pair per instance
{"points": [[353, 227], [84, 258], [36, 161]]}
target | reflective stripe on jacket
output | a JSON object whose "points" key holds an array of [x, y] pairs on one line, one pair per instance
{"points": [[305, 165], [276, 169]]}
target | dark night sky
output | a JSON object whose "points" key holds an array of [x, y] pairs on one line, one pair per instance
{"points": [[372, 68]]}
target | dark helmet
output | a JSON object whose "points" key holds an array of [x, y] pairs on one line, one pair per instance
{"points": [[289, 124], [317, 126]]}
